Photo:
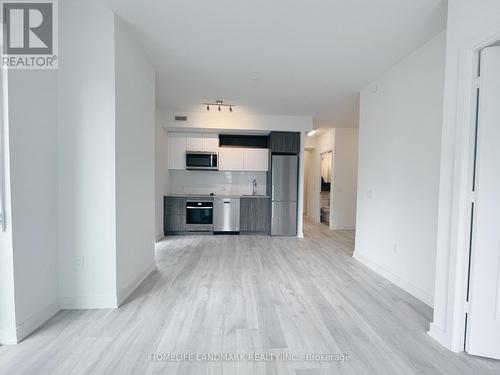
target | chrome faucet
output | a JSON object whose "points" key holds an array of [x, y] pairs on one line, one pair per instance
{"points": [[254, 186]]}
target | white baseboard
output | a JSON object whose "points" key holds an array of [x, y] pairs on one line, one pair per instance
{"points": [[35, 321], [336, 227], [105, 301], [8, 336], [440, 336], [398, 281], [123, 293], [89, 302], [14, 335]]}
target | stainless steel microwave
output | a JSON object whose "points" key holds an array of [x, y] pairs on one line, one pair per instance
{"points": [[202, 160]]}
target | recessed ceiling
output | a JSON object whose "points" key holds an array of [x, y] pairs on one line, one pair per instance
{"points": [[283, 57]]}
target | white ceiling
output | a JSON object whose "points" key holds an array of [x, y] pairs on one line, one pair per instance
{"points": [[286, 57]]}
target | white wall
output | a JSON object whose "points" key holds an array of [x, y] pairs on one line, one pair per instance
{"points": [[135, 162], [240, 119], [86, 158], [79, 176], [8, 334], [345, 179], [472, 25], [33, 161], [399, 151], [161, 172]]}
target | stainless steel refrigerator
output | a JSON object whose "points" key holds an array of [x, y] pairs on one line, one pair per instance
{"points": [[284, 177]]}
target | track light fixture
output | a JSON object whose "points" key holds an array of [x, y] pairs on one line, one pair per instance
{"points": [[219, 104]]}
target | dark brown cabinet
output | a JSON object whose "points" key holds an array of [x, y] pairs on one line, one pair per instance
{"points": [[174, 215], [284, 142], [255, 215]]}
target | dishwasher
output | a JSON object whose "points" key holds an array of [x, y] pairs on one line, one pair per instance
{"points": [[226, 219]]}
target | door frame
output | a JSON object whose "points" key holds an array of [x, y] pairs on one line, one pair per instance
{"points": [[454, 218]]}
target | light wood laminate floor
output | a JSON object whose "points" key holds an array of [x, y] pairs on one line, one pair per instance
{"points": [[248, 294]]}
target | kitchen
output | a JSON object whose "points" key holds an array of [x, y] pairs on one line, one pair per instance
{"points": [[232, 183]]}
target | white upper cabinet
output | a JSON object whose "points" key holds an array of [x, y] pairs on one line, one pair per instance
{"points": [[231, 159], [194, 142], [202, 142], [243, 159], [211, 142], [177, 151], [255, 159]]}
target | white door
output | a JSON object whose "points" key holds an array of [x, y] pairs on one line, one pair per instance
{"points": [[483, 322]]}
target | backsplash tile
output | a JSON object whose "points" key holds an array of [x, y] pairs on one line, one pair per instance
{"points": [[218, 182]]}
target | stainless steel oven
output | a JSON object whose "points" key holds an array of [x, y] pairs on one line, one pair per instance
{"points": [[199, 215], [199, 160]]}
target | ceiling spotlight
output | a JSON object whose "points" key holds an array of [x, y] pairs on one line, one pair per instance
{"points": [[312, 132], [219, 104]]}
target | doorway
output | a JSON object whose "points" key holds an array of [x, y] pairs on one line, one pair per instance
{"points": [[326, 165], [482, 321]]}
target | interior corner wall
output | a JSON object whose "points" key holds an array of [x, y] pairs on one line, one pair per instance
{"points": [[399, 164], [161, 172], [86, 157], [8, 333], [345, 179], [33, 183], [135, 163]]}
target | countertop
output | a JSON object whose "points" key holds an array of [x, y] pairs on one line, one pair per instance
{"points": [[217, 196]]}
